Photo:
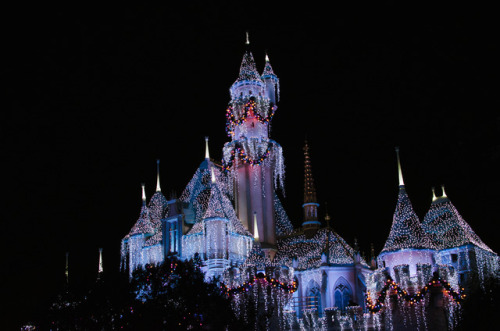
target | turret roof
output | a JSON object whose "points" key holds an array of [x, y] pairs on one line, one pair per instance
{"points": [[406, 231], [447, 228], [248, 70], [143, 225]]}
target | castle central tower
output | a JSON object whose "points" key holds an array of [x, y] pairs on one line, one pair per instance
{"points": [[254, 161]]}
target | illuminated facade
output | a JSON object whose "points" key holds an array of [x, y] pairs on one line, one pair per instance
{"points": [[230, 216]]}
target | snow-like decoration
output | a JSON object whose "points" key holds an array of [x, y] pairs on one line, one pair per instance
{"points": [[447, 228], [219, 235], [158, 209], [143, 224], [406, 231], [283, 225], [248, 70], [255, 151], [308, 252], [196, 195]]}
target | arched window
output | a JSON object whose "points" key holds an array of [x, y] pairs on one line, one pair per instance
{"points": [[342, 293], [313, 299]]}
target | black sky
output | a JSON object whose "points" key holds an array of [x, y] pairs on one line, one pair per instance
{"points": [[96, 95]]}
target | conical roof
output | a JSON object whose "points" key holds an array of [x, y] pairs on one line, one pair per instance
{"points": [[248, 70], [406, 231], [197, 192], [268, 70], [158, 207], [219, 206], [143, 225], [447, 228]]}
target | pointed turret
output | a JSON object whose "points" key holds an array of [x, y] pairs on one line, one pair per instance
{"points": [[143, 224], [272, 83], [447, 228], [158, 205], [310, 206], [406, 231], [407, 242]]}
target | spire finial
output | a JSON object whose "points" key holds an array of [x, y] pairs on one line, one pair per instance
{"points": [[213, 174], [143, 193], [444, 193], [400, 172], [255, 228], [267, 57], [66, 271], [434, 198], [248, 39], [100, 271], [207, 153], [158, 189]]}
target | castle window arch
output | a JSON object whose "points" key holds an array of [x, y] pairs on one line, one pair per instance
{"points": [[313, 297], [342, 293]]}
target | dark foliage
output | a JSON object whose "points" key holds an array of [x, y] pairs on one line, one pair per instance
{"points": [[171, 296]]}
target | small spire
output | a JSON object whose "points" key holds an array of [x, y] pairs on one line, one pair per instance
{"points": [[213, 175], [66, 271], [143, 193], [372, 251], [444, 193], [434, 198], [400, 172], [207, 153], [158, 189], [100, 271], [247, 39], [267, 57], [255, 228]]}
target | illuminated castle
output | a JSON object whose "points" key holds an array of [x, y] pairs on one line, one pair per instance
{"points": [[230, 216]]}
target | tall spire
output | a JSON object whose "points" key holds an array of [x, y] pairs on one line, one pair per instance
{"points": [[247, 42], [100, 271], [143, 194], [158, 189], [310, 223], [309, 189], [207, 153], [400, 172]]}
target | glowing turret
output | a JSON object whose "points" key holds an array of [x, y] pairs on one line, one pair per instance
{"points": [[254, 161]]}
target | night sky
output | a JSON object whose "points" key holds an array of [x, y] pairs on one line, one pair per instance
{"points": [[96, 95]]}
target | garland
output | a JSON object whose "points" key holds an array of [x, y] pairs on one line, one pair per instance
{"points": [[412, 298], [250, 106], [245, 158], [263, 279]]}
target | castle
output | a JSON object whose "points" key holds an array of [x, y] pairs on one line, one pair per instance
{"points": [[230, 216]]}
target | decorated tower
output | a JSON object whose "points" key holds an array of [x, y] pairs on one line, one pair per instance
{"points": [[407, 245], [254, 162], [310, 206]]}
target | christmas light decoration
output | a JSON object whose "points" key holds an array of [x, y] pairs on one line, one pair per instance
{"points": [[376, 306]]}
